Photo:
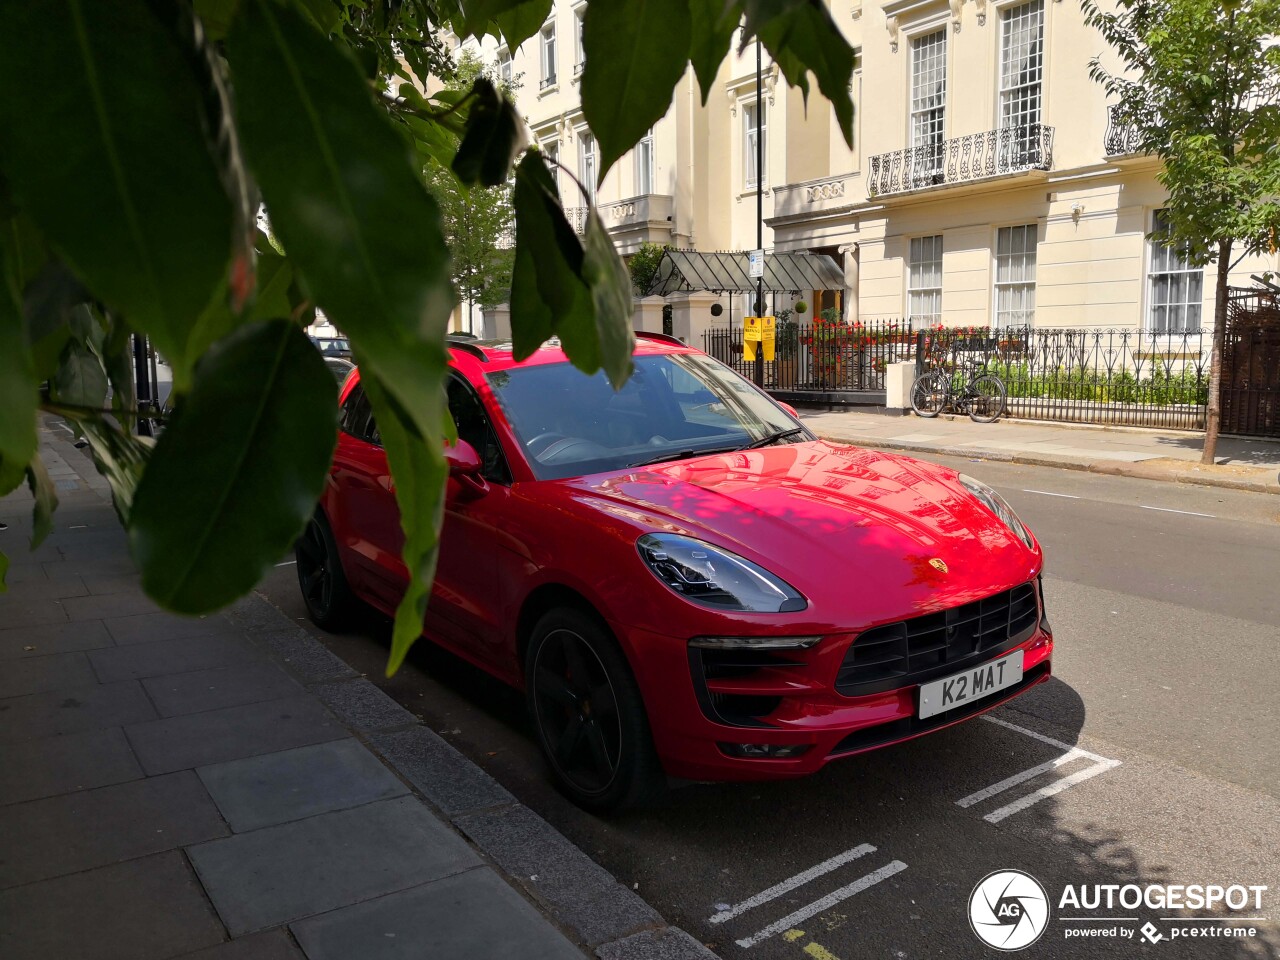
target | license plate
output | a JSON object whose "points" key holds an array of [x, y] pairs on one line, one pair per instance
{"points": [[939, 696]]}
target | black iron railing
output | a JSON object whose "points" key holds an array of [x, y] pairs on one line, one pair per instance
{"points": [[962, 159], [822, 356], [1121, 138], [1087, 375]]}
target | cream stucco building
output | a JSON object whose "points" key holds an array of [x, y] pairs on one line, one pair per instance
{"points": [[985, 185]]}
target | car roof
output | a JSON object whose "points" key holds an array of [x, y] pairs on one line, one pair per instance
{"points": [[499, 354]]}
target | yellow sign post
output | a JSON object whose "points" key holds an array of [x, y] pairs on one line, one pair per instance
{"points": [[760, 330]]}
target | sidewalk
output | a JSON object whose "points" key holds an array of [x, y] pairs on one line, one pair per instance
{"points": [[225, 788], [1121, 451]]}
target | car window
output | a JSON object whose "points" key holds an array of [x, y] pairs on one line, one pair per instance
{"points": [[473, 426], [357, 417], [673, 405]]}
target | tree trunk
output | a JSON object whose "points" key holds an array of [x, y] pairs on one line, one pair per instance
{"points": [[1213, 415]]}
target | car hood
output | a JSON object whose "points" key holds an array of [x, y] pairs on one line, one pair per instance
{"points": [[866, 536]]}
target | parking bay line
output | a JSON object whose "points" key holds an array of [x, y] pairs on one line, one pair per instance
{"points": [[825, 903], [791, 883]]}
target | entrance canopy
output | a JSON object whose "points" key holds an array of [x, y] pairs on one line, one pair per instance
{"points": [[727, 272]]}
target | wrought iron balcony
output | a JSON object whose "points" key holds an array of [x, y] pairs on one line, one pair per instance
{"points": [[1121, 138], [577, 217], [962, 159]]}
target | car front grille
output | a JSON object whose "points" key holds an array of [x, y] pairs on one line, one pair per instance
{"points": [[936, 644]]}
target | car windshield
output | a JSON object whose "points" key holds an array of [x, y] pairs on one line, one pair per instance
{"points": [[673, 406]]}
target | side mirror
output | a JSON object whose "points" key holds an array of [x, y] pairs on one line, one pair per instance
{"points": [[465, 467], [789, 408]]}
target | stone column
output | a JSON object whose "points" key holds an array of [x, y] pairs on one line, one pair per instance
{"points": [[851, 255], [497, 323], [647, 315], [691, 315], [898, 378]]}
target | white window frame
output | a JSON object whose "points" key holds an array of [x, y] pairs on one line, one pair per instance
{"points": [[551, 148], [926, 119], [579, 54], [587, 159], [504, 64], [923, 252], [547, 51], [1168, 264], [1014, 256], [754, 109], [644, 164], [1020, 100]]}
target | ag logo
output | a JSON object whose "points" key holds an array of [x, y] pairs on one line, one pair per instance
{"points": [[1008, 910]]}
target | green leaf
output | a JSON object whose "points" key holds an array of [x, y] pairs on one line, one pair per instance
{"points": [[19, 388], [275, 276], [637, 51], [801, 37], [495, 134], [81, 379], [711, 25], [109, 155], [521, 22], [46, 500], [117, 359], [610, 283], [419, 468], [235, 475], [119, 457]]}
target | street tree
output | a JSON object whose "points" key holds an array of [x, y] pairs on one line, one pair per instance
{"points": [[137, 141], [1200, 85], [478, 221]]}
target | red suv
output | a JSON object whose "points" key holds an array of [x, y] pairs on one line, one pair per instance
{"points": [[682, 577]]}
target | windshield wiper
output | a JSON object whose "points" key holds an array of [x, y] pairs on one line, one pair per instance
{"points": [[682, 455], [774, 437]]}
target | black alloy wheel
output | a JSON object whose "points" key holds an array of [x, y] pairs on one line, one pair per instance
{"points": [[588, 714], [324, 586]]}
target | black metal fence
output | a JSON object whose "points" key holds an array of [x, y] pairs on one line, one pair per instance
{"points": [[1251, 364], [1085, 375], [824, 356]]}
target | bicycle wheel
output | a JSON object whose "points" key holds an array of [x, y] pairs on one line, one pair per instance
{"points": [[929, 393], [987, 396]]}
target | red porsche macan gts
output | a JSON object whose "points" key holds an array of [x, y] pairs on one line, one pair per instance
{"points": [[682, 578]]}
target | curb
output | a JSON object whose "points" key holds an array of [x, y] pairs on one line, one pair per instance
{"points": [[578, 895], [1107, 467]]}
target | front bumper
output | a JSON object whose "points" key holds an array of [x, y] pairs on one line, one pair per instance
{"points": [[809, 712]]}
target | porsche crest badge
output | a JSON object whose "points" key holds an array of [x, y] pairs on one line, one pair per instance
{"points": [[939, 565]]}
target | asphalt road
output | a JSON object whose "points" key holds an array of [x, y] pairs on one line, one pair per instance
{"points": [[1151, 758]]}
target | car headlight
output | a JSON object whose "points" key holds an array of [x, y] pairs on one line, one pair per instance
{"points": [[714, 577], [997, 505]]}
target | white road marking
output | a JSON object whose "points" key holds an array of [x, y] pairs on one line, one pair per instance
{"points": [[286, 563], [1071, 753], [818, 906], [791, 883], [1046, 493], [1187, 513]]}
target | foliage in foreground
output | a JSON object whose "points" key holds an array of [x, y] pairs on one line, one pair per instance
{"points": [[131, 173]]}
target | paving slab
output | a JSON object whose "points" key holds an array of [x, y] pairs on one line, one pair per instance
{"points": [[474, 914], [41, 674], [93, 828], [45, 588], [110, 914], [53, 638], [181, 655], [196, 740], [145, 627], [271, 945], [54, 765], [108, 605], [70, 711], [295, 784], [18, 613], [214, 689], [279, 874]]}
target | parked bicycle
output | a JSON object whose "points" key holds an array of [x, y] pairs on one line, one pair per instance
{"points": [[982, 395]]}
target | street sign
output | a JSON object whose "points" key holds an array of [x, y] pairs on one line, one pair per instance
{"points": [[755, 264]]}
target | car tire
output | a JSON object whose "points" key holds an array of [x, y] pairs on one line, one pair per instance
{"points": [[324, 586], [588, 715]]}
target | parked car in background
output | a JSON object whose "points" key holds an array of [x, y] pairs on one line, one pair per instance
{"points": [[333, 347], [683, 579], [339, 368]]}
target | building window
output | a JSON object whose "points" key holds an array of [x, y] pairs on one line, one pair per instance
{"points": [[1176, 288], [504, 65], [1022, 68], [755, 130], [548, 55], [551, 150], [644, 164], [928, 104], [579, 54], [924, 281], [587, 164], [1016, 276]]}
